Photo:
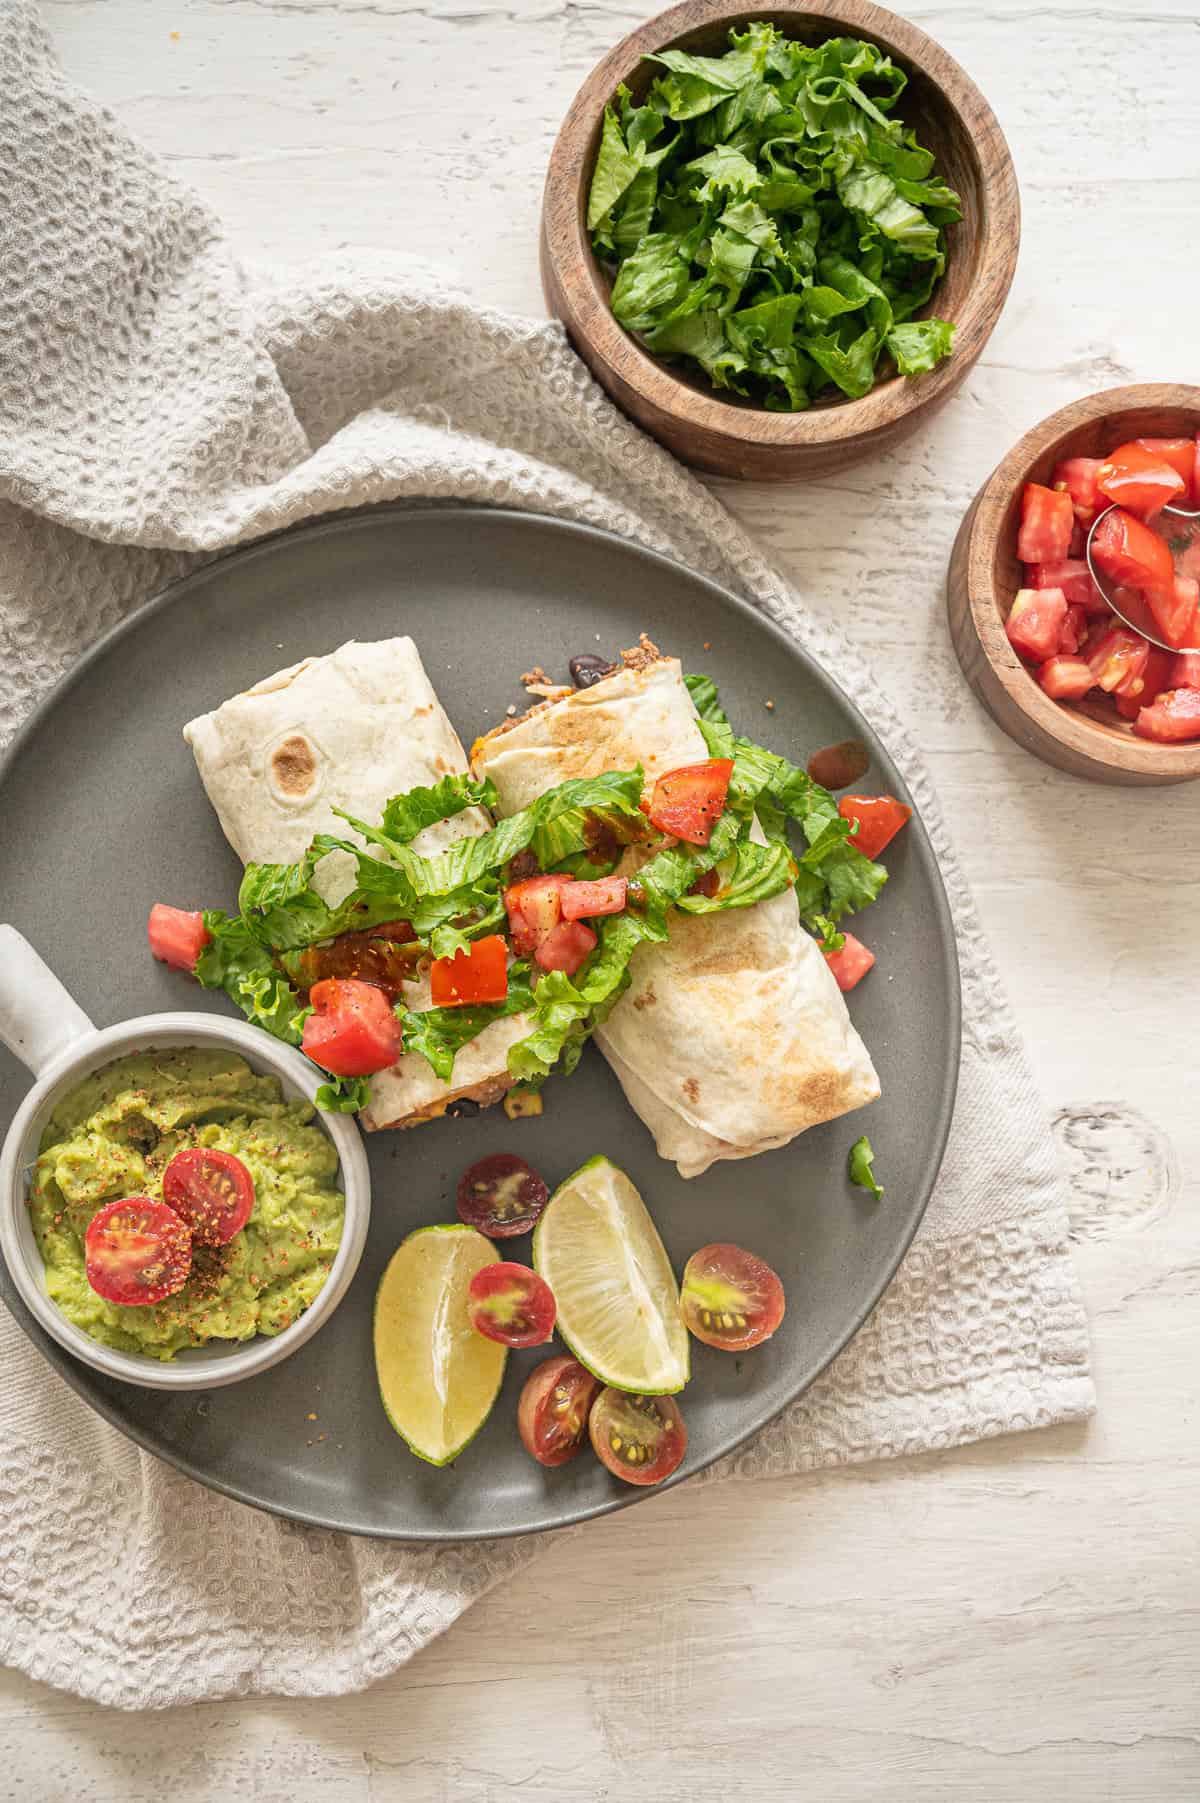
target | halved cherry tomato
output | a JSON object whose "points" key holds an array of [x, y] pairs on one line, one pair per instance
{"points": [[534, 909], [1180, 453], [1035, 621], [177, 937], [1073, 577], [1130, 554], [212, 1191], [1172, 718], [837, 766], [566, 947], [1140, 480], [137, 1251], [353, 1031], [1118, 658], [1074, 630], [1154, 679], [1066, 678], [851, 964], [1076, 476], [501, 1196], [552, 1415], [879, 817], [730, 1298], [640, 1438], [591, 897], [1047, 518], [471, 977], [512, 1304], [688, 802], [1184, 672]]}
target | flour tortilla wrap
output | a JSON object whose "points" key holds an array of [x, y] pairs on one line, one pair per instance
{"points": [[348, 730], [733, 1037]]}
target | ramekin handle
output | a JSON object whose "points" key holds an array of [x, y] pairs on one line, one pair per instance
{"points": [[39, 1019]]}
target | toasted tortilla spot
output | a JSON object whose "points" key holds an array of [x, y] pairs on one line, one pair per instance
{"points": [[294, 768], [646, 999], [691, 1089]]}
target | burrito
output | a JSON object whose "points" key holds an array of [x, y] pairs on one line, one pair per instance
{"points": [[732, 1036], [349, 730]]}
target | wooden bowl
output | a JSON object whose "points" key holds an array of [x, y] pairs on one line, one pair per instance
{"points": [[724, 434], [1087, 738]]}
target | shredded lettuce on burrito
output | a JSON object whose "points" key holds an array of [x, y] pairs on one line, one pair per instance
{"points": [[581, 827]]}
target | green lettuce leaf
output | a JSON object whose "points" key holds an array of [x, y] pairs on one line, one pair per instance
{"points": [[833, 878], [409, 814], [770, 220], [439, 1033], [920, 344], [862, 1158]]}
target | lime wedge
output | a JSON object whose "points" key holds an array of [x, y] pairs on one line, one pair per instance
{"points": [[618, 1302], [438, 1378]]}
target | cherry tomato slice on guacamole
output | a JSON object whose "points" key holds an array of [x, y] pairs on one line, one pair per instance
{"points": [[512, 1304], [137, 1251], [501, 1196], [552, 1415], [641, 1439], [730, 1298], [212, 1191]]}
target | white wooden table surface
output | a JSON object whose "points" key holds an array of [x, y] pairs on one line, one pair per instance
{"points": [[1015, 1621]]}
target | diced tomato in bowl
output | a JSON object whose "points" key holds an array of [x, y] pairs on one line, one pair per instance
{"points": [[1035, 622], [1184, 672], [1183, 454], [1117, 659], [1067, 678], [1074, 631], [1073, 577], [1144, 481], [1156, 676], [1076, 477], [1047, 521], [1099, 541], [1173, 718]]}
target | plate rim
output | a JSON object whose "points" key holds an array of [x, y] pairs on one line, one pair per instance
{"points": [[78, 1375]]}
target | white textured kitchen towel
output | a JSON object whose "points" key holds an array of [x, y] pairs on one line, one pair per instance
{"points": [[157, 403]]}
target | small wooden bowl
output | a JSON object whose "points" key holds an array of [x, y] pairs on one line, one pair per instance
{"points": [[721, 433], [1087, 738]]}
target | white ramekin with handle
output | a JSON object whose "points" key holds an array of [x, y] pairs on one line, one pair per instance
{"points": [[49, 1032]]}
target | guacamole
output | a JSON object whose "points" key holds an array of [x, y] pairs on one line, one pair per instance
{"points": [[115, 1134]]}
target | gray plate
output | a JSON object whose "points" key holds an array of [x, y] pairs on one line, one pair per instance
{"points": [[101, 799]]}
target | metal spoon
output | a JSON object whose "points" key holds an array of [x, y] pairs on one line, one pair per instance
{"points": [[1134, 609]]}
